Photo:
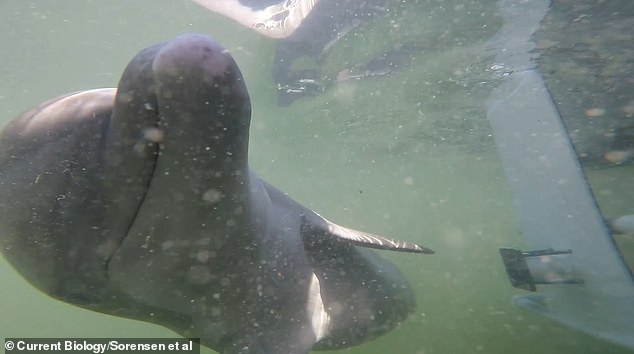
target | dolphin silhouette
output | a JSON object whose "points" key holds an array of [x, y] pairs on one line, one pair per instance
{"points": [[139, 202]]}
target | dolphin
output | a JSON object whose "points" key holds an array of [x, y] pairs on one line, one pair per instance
{"points": [[271, 18], [306, 31], [139, 202]]}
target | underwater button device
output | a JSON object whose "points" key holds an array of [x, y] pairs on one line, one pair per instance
{"points": [[525, 269]]}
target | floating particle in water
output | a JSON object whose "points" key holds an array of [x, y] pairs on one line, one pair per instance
{"points": [[618, 156], [153, 134], [167, 245], [225, 282], [623, 224], [203, 256], [545, 44], [212, 195], [595, 112], [628, 109], [199, 275]]}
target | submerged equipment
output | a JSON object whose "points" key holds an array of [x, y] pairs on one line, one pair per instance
{"points": [[579, 275]]}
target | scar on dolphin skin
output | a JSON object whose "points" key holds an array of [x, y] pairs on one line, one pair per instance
{"points": [[139, 202]]}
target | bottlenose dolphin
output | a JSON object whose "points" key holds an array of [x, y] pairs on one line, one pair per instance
{"points": [[306, 31], [139, 202], [272, 18]]}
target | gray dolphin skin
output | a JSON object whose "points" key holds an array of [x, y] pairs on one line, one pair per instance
{"points": [[139, 202]]}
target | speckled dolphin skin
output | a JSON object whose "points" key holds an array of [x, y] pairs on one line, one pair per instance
{"points": [[139, 202]]}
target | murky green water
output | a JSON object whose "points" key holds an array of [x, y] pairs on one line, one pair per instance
{"points": [[410, 155]]}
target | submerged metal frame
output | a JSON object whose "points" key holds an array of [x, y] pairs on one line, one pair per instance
{"points": [[554, 203]]}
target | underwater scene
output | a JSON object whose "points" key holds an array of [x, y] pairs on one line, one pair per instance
{"points": [[497, 133]]}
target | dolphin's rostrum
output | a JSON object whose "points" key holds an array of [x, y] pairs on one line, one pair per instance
{"points": [[139, 202]]}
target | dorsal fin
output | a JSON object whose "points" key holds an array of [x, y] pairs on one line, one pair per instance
{"points": [[368, 240], [316, 228]]}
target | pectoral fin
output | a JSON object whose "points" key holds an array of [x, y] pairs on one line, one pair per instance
{"points": [[365, 239]]}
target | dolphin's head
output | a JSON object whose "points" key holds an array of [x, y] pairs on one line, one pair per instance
{"points": [[196, 77], [75, 171], [176, 171], [139, 203], [182, 104]]}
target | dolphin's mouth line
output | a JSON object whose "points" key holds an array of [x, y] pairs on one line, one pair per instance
{"points": [[154, 149]]}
